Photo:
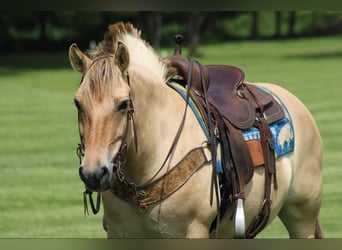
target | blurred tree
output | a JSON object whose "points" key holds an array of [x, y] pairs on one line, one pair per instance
{"points": [[278, 19], [23, 30], [151, 24], [324, 22], [5, 39], [19, 29], [314, 22], [42, 17], [254, 25], [194, 28], [291, 23]]}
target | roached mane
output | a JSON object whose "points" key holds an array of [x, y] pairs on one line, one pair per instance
{"points": [[114, 34], [140, 52]]}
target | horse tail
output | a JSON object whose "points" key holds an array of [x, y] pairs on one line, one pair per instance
{"points": [[318, 230]]}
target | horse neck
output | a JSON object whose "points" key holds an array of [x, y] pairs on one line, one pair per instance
{"points": [[158, 114]]}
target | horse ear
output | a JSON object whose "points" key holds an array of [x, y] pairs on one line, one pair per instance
{"points": [[122, 56], [78, 60]]}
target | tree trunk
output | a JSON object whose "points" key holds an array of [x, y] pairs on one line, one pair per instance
{"points": [[314, 25], [277, 32], [42, 19], [195, 23], [254, 25], [292, 23], [154, 25], [151, 22], [4, 32]]}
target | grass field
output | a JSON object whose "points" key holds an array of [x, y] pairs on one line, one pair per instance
{"points": [[40, 191]]}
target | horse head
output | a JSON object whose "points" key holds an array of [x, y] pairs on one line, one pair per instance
{"points": [[103, 105]]}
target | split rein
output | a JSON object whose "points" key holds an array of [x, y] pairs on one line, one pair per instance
{"points": [[95, 209]]}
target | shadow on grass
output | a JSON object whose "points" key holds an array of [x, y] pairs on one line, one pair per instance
{"points": [[317, 55]]}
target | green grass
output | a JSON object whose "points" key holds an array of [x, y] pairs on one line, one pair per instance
{"points": [[40, 191]]}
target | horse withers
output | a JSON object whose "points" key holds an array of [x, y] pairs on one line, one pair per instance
{"points": [[148, 156]]}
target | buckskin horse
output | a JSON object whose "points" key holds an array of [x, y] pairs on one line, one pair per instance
{"points": [[183, 150]]}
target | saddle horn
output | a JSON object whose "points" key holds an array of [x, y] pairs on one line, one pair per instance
{"points": [[178, 38], [180, 65]]}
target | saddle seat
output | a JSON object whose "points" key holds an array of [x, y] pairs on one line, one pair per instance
{"points": [[235, 100]]}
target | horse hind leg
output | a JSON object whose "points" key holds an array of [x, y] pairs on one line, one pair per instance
{"points": [[300, 212], [301, 222], [318, 230]]}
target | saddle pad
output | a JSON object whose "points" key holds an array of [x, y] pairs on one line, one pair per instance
{"points": [[282, 131]]}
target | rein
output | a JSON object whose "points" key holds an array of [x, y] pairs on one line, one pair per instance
{"points": [[95, 209]]}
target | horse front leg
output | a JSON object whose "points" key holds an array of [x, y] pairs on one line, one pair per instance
{"points": [[197, 229]]}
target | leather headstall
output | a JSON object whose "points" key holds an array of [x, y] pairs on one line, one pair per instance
{"points": [[119, 160]]}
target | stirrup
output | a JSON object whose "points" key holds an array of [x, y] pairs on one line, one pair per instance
{"points": [[239, 221]]}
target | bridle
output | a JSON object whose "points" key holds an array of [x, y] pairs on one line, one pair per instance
{"points": [[120, 158]]}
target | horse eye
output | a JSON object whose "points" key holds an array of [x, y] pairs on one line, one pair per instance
{"points": [[123, 105]]}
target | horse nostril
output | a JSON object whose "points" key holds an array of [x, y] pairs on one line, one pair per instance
{"points": [[104, 171], [81, 174], [95, 179]]}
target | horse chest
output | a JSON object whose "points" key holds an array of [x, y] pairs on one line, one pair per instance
{"points": [[125, 220]]}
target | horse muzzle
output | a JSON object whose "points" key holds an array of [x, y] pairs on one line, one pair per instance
{"points": [[97, 180]]}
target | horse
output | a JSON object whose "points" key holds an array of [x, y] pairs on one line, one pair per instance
{"points": [[134, 132]]}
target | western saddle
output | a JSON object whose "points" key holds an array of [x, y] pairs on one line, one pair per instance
{"points": [[228, 106]]}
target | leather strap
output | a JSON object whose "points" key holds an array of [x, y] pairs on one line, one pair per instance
{"points": [[261, 220], [94, 209], [165, 185], [257, 155]]}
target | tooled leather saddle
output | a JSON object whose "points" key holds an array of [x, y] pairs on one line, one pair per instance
{"points": [[231, 105]]}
